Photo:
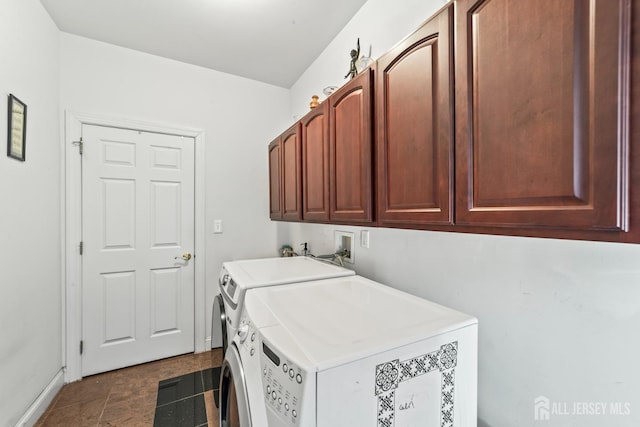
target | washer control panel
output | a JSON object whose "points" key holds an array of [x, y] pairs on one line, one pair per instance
{"points": [[247, 336], [283, 383], [228, 286]]}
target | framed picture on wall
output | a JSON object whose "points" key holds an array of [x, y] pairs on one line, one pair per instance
{"points": [[16, 128]]}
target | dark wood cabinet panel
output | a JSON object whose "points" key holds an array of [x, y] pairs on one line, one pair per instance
{"points": [[351, 146], [414, 104], [541, 113], [275, 208], [285, 177], [315, 164], [543, 138], [291, 174]]}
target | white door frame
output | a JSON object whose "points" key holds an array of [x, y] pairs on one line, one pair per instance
{"points": [[72, 230]]}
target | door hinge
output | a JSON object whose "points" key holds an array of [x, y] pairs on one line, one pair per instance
{"points": [[80, 144], [81, 346], [81, 246]]}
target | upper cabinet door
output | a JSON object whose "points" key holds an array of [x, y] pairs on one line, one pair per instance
{"points": [[275, 208], [414, 102], [291, 174], [542, 98], [315, 164], [351, 147]]}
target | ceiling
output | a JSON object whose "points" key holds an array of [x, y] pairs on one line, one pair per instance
{"points": [[273, 41]]}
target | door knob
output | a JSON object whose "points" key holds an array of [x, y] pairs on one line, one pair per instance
{"points": [[185, 256]]}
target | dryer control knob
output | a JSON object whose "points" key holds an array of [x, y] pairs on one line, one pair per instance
{"points": [[243, 332], [224, 280]]}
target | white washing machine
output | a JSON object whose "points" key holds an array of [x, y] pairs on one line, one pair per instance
{"points": [[353, 352], [237, 408], [238, 276]]}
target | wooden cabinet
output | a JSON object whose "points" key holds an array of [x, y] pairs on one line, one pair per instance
{"points": [[414, 104], [275, 207], [542, 116], [539, 138], [351, 146], [315, 164], [285, 176], [321, 168]]}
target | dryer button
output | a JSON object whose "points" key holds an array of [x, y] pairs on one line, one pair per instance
{"points": [[291, 373], [273, 395], [253, 351], [294, 413], [286, 406], [299, 378], [268, 389], [285, 368], [253, 336]]}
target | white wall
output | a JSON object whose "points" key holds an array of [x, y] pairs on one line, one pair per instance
{"points": [[380, 25], [30, 245], [238, 116], [557, 318]]}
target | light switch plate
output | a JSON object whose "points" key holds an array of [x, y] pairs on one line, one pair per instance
{"points": [[217, 226], [364, 239]]}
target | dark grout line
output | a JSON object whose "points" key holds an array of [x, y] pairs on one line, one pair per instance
{"points": [[180, 400]]}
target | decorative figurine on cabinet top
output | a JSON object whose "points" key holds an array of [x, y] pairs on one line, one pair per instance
{"points": [[314, 102], [364, 61], [329, 90], [355, 54]]}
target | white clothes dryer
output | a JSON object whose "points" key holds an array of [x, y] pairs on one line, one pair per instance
{"points": [[353, 352], [238, 276]]}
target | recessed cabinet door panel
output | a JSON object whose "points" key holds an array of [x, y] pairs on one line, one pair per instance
{"points": [[351, 151], [415, 127], [315, 164], [275, 209], [291, 185], [541, 113]]}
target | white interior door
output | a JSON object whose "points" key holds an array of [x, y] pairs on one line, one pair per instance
{"points": [[138, 221]]}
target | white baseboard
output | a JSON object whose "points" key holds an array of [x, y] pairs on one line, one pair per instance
{"points": [[207, 343], [40, 405]]}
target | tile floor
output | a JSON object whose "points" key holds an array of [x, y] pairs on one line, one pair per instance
{"points": [[153, 394]]}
